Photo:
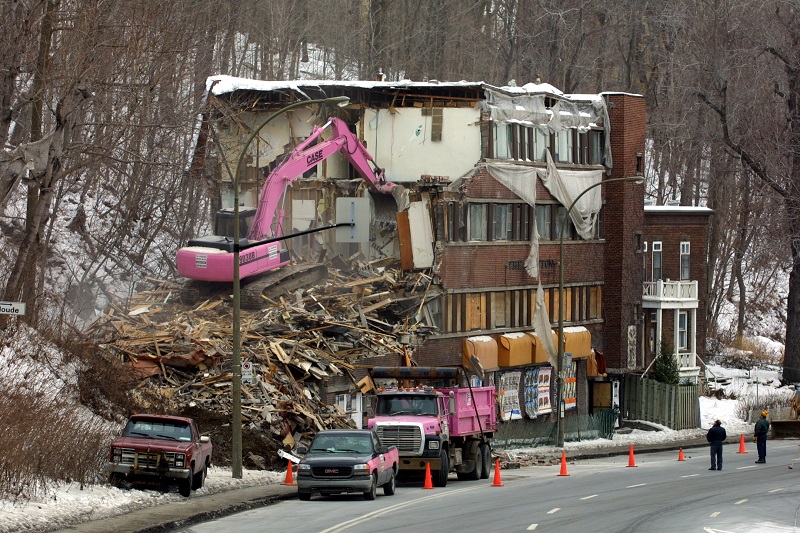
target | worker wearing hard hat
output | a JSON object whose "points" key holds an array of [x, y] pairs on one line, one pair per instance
{"points": [[761, 430]]}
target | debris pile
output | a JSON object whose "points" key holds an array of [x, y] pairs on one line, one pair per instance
{"points": [[291, 346]]}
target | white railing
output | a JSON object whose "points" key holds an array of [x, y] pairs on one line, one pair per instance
{"points": [[670, 290]]}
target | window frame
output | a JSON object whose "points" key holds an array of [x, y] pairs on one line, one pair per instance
{"points": [[657, 252], [685, 264]]}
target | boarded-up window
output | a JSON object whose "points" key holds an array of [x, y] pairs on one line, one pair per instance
{"points": [[437, 121]]}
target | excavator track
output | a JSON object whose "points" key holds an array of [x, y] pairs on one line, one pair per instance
{"points": [[253, 290]]}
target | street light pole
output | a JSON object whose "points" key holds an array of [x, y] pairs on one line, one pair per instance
{"points": [[561, 336], [236, 359]]}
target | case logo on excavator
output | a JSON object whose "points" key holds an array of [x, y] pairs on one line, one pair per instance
{"points": [[314, 158]]}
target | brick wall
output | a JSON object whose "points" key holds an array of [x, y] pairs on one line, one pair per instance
{"points": [[623, 219]]}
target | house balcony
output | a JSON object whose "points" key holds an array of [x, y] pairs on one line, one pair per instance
{"points": [[669, 294]]}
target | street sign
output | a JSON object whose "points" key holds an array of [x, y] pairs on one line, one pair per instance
{"points": [[247, 372], [12, 308]]}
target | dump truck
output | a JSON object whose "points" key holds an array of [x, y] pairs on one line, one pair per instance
{"points": [[444, 429]]}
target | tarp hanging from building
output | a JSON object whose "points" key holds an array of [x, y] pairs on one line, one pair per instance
{"points": [[566, 186]]}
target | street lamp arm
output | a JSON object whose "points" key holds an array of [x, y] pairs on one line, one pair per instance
{"points": [[561, 336]]}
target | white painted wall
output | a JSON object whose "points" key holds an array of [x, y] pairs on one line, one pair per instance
{"points": [[400, 142], [421, 233]]}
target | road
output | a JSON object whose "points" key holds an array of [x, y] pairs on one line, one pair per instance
{"points": [[659, 494]]}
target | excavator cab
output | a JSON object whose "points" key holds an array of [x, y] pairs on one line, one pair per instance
{"points": [[224, 223], [223, 229]]}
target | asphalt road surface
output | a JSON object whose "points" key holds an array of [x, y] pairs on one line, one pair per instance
{"points": [[659, 494]]}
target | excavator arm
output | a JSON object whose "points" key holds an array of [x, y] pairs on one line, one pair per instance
{"points": [[308, 154]]}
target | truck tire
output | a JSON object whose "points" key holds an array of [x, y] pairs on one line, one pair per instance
{"points": [[198, 479], [440, 479], [185, 487], [304, 496], [476, 458], [390, 486], [486, 465], [117, 480], [373, 488]]}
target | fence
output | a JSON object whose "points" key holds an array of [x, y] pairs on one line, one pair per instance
{"points": [[673, 406], [525, 432]]}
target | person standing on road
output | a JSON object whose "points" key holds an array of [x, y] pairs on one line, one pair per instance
{"points": [[716, 436], [761, 430]]}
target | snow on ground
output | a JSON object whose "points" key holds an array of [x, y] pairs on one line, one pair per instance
{"points": [[68, 504]]}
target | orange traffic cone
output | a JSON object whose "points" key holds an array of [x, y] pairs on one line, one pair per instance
{"points": [[680, 455], [631, 460], [497, 481], [563, 464], [741, 445], [428, 479], [289, 478]]}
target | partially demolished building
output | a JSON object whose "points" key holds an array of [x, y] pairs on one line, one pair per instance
{"points": [[491, 172]]}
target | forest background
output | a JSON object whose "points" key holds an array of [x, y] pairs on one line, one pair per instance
{"points": [[99, 104]]}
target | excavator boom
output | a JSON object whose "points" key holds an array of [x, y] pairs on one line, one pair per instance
{"points": [[211, 258]]}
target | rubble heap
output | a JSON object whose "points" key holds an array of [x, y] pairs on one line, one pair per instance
{"points": [[292, 344]]}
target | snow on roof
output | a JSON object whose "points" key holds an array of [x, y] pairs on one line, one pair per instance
{"points": [[678, 209], [227, 84], [223, 84]]}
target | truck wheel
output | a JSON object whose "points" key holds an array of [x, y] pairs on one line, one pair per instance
{"points": [[304, 496], [117, 480], [198, 479], [373, 488], [185, 487], [389, 486], [440, 479], [486, 465], [477, 459]]}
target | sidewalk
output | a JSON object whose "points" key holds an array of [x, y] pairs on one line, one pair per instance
{"points": [[197, 509]]}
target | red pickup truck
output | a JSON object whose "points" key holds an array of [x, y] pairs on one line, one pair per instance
{"points": [[344, 461], [160, 449]]}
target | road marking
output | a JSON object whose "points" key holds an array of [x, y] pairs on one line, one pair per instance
{"points": [[380, 512], [714, 514], [776, 490], [532, 527], [554, 510], [745, 467], [710, 530], [634, 486], [691, 475], [589, 497], [740, 501]]}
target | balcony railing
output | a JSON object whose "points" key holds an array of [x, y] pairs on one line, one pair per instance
{"points": [[669, 290]]}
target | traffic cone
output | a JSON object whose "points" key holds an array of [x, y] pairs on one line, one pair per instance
{"points": [[680, 455], [741, 445], [563, 464], [289, 477], [428, 479], [631, 460], [497, 481]]}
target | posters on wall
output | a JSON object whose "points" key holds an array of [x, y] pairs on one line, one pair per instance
{"points": [[508, 395], [570, 381], [537, 391]]}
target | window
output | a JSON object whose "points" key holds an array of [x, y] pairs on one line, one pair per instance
{"points": [[541, 143], [564, 146], [501, 222], [596, 147], [644, 261], [477, 222], [683, 320], [501, 141], [685, 263], [561, 218], [544, 226], [656, 260], [347, 403]]}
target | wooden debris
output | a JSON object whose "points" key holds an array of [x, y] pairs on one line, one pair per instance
{"points": [[294, 345]]}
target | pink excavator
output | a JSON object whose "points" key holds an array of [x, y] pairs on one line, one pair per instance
{"points": [[264, 263]]}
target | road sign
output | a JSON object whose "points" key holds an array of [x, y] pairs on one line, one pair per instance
{"points": [[12, 308], [247, 372]]}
